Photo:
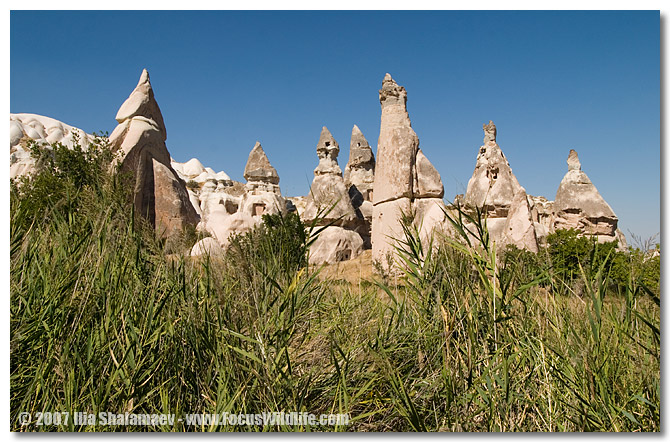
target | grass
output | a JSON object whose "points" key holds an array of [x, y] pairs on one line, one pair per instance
{"points": [[105, 317]]}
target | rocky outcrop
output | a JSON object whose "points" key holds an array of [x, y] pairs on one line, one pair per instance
{"points": [[44, 130], [262, 194], [359, 173], [494, 189], [235, 224], [543, 216], [207, 246], [406, 183], [328, 199], [519, 224], [335, 244], [493, 184], [579, 205], [359, 178], [329, 203], [159, 194], [194, 171]]}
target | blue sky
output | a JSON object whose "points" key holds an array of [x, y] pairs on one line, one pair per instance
{"points": [[551, 81]]}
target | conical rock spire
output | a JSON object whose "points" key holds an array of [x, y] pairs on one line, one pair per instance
{"points": [[328, 192], [579, 205], [359, 174], [493, 184], [141, 103], [258, 167], [159, 195], [328, 150]]}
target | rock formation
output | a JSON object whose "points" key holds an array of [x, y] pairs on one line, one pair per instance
{"points": [[335, 244], [207, 246], [359, 173], [543, 216], [405, 181], [159, 194], [329, 198], [25, 127], [359, 178], [262, 194], [329, 203], [494, 189], [580, 206], [493, 184], [235, 224], [519, 226]]}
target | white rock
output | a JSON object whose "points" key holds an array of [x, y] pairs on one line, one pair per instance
{"points": [[207, 246], [335, 244]]}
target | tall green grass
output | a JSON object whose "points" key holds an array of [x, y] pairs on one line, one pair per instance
{"points": [[106, 317]]}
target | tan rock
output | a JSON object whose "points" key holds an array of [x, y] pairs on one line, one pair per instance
{"points": [[359, 173], [262, 194], [159, 194], [429, 182], [431, 220], [387, 229], [335, 244], [519, 226], [404, 177], [493, 184], [579, 205], [258, 167], [329, 198], [225, 226], [397, 146]]}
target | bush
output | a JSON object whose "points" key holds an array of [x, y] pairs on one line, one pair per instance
{"points": [[277, 247], [570, 254], [62, 176]]}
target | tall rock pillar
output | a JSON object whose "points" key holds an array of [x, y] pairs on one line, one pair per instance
{"points": [[159, 194], [405, 181]]}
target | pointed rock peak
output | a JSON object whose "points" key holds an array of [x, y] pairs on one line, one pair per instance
{"points": [[327, 145], [258, 166], [257, 146], [360, 153], [391, 92], [141, 103], [573, 161], [144, 78], [358, 139], [490, 132]]}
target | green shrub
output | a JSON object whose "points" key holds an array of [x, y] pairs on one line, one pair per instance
{"points": [[570, 254], [277, 247]]}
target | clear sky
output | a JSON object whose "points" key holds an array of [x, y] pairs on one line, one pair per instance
{"points": [[551, 81]]}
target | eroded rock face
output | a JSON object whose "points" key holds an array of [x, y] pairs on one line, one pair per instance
{"points": [[519, 225], [160, 196], [26, 127], [359, 179], [396, 148], [329, 198], [494, 189], [258, 168], [543, 216], [359, 173], [405, 181], [579, 205], [207, 246], [335, 244], [262, 194], [224, 228], [493, 184]]}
